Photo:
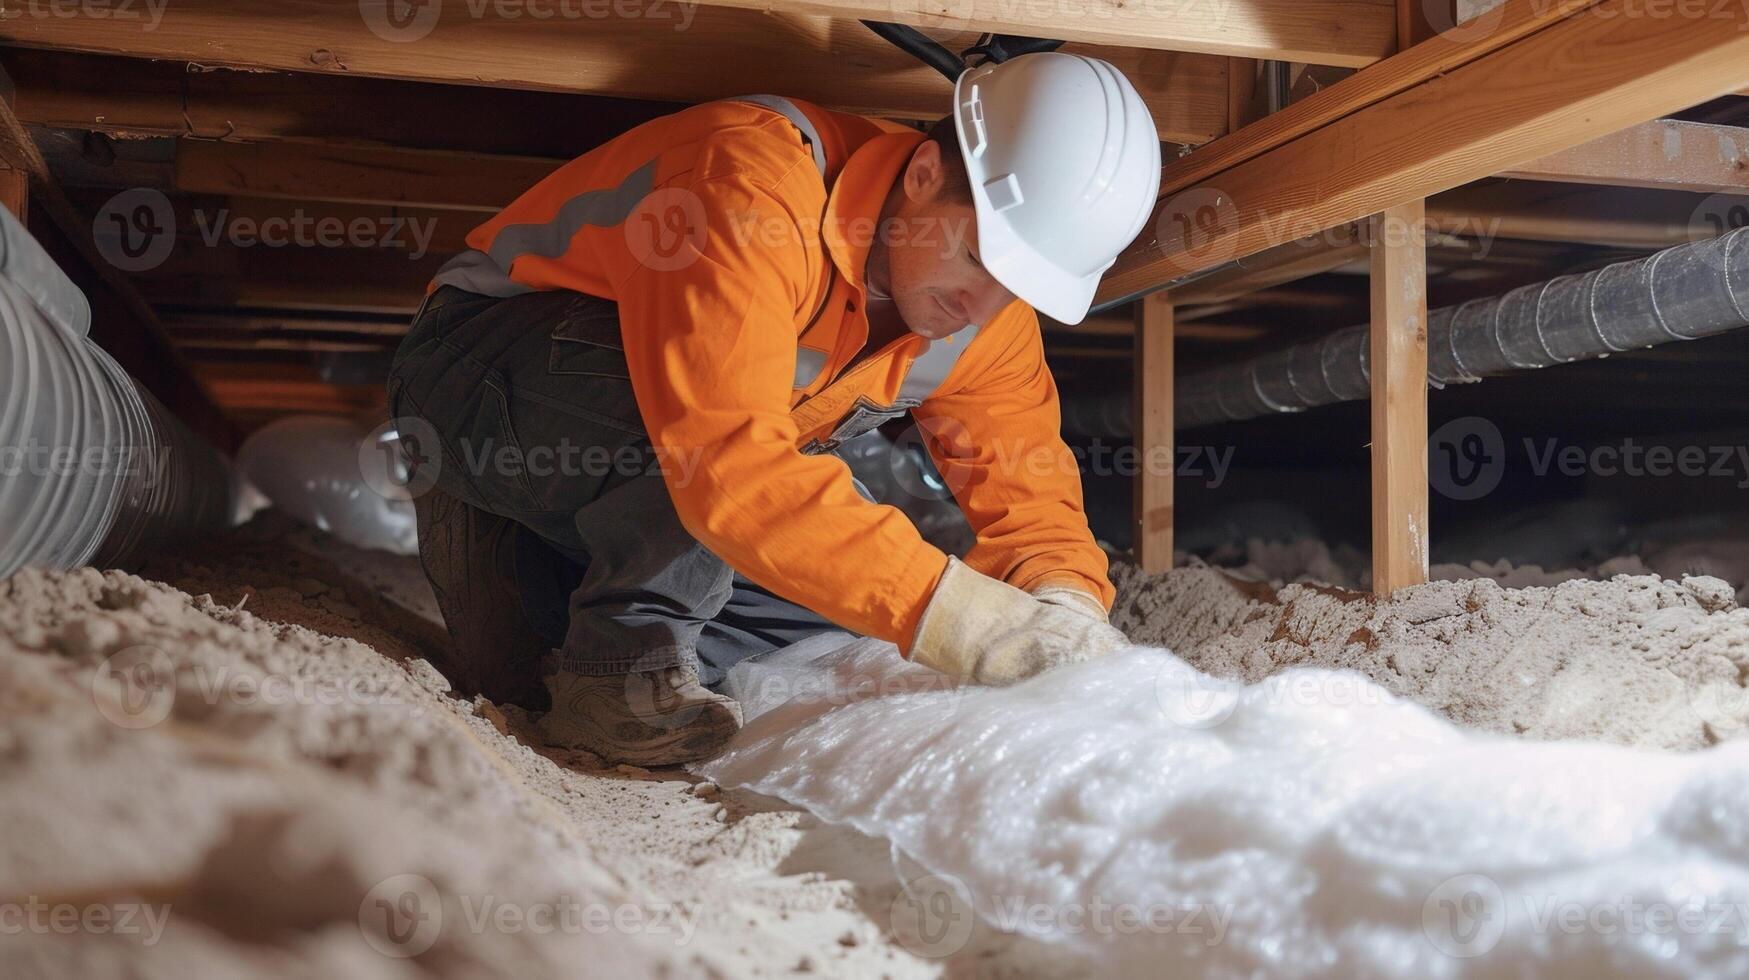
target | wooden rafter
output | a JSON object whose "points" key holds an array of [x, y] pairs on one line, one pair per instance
{"points": [[1323, 32], [720, 53], [357, 175], [1577, 78], [1665, 154]]}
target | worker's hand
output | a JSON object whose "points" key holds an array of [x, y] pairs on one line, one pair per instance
{"points": [[1085, 603], [990, 632]]}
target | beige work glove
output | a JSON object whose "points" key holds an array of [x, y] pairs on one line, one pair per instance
{"points": [[987, 631], [1085, 603]]}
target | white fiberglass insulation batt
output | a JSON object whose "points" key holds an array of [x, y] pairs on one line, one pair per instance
{"points": [[1164, 823]]}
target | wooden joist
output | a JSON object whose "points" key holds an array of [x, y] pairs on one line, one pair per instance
{"points": [[132, 98], [1399, 399], [357, 175], [1401, 132], [1155, 440], [121, 321], [720, 53], [1665, 154], [1323, 32]]}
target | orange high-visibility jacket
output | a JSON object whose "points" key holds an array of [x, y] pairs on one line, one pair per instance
{"points": [[733, 236]]}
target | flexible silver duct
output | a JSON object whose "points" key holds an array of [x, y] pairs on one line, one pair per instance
{"points": [[1683, 293], [91, 466]]}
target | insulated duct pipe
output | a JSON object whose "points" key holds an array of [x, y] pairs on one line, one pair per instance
{"points": [[92, 467], [1683, 293]]}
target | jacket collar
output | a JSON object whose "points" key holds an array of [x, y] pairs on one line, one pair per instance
{"points": [[853, 208]]}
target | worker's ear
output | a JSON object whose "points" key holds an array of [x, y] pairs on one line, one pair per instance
{"points": [[924, 177]]}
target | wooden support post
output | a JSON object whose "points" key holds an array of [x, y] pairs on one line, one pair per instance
{"points": [[1399, 398], [1422, 20], [1155, 450], [15, 193]]}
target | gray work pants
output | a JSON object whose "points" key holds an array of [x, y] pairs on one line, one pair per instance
{"points": [[531, 407]]}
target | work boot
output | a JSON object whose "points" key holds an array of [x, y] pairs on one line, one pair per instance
{"points": [[469, 555], [649, 718]]}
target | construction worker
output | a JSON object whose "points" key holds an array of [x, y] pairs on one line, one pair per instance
{"points": [[693, 316]]}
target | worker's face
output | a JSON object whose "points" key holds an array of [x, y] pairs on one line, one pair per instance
{"points": [[937, 280]]}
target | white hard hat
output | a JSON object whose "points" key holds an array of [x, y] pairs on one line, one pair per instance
{"points": [[1064, 164]]}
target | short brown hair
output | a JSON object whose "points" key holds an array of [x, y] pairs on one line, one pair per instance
{"points": [[953, 165]]}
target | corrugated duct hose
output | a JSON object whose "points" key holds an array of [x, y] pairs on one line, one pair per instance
{"points": [[93, 470], [1683, 293]]}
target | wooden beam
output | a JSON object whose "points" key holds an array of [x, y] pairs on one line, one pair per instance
{"points": [[1274, 267], [1326, 32], [121, 321], [1575, 79], [721, 53], [1665, 154], [1423, 20], [1154, 436], [1534, 211], [132, 98], [1245, 103], [357, 175], [1399, 399], [354, 280]]}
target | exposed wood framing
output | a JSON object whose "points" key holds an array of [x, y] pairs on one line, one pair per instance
{"points": [[357, 175], [1399, 399], [132, 97], [1154, 433], [1327, 32], [720, 53], [1423, 20], [1400, 131], [1665, 154], [121, 320], [1281, 264], [1533, 211]]}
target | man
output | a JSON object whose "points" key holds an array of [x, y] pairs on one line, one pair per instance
{"points": [[694, 315]]}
